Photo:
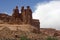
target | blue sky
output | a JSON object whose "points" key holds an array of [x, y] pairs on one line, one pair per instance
{"points": [[8, 5]]}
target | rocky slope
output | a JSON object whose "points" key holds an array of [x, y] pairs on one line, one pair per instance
{"points": [[17, 31]]}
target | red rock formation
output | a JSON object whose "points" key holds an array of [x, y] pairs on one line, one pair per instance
{"points": [[16, 12], [25, 17]]}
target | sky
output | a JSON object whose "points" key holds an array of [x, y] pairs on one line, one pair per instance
{"points": [[47, 11], [9, 5]]}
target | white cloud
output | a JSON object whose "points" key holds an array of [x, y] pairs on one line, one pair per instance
{"points": [[48, 14]]}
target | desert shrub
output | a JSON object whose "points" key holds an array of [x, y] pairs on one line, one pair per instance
{"points": [[51, 38], [24, 38]]}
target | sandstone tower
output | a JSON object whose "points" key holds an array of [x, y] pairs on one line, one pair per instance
{"points": [[27, 15], [15, 12]]}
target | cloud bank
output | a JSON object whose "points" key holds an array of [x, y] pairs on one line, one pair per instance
{"points": [[48, 14]]}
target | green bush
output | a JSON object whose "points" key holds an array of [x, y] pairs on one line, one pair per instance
{"points": [[24, 38], [51, 38]]}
